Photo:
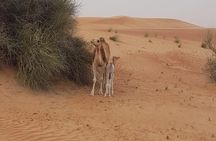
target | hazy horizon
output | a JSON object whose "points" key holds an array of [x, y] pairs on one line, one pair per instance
{"points": [[197, 12]]}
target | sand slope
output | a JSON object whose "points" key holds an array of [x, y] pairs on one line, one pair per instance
{"points": [[162, 92], [146, 23]]}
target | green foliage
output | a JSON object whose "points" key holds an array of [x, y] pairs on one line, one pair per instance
{"points": [[36, 37], [40, 61], [78, 61], [8, 50]]}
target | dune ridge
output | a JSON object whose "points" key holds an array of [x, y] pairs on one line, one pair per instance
{"points": [[153, 23]]}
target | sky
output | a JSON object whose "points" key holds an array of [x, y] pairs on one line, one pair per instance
{"points": [[199, 12]]}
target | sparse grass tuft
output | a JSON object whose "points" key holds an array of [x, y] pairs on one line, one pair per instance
{"points": [[177, 41], [212, 68], [150, 41], [114, 38], [209, 42], [110, 30], [203, 45], [146, 35]]}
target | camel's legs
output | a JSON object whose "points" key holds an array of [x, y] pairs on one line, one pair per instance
{"points": [[101, 85], [107, 88], [112, 81], [94, 81]]}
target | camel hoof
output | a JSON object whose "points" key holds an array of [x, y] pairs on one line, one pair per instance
{"points": [[92, 94]]}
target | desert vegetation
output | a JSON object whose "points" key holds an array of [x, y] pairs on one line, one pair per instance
{"points": [[146, 35], [177, 40], [150, 41], [203, 45], [212, 68], [110, 29], [114, 38], [209, 42], [37, 38]]}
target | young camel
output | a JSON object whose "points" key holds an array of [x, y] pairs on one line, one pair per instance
{"points": [[101, 58], [110, 71]]}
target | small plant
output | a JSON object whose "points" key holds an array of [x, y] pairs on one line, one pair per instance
{"points": [[146, 35], [114, 38], [203, 45], [212, 68], [209, 42], [180, 45], [150, 41], [177, 41], [110, 30]]}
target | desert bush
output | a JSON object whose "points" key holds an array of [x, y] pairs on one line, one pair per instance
{"points": [[37, 38], [150, 41], [110, 30], [40, 61], [212, 68], [114, 38], [209, 41], [203, 45], [146, 35], [78, 60], [177, 41], [8, 50]]}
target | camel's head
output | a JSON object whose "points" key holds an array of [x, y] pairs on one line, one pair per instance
{"points": [[97, 42]]}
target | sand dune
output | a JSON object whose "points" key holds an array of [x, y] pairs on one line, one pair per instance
{"points": [[151, 23], [162, 92], [163, 28]]}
